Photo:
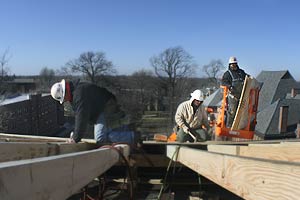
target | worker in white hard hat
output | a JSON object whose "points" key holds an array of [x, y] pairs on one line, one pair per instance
{"points": [[233, 78], [190, 117], [92, 105]]}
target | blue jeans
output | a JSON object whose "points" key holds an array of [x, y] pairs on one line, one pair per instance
{"points": [[101, 130]]}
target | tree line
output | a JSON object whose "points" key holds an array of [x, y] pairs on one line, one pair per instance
{"points": [[170, 81]]}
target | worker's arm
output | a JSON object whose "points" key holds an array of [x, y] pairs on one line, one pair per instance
{"points": [[227, 80], [244, 73], [81, 117], [81, 123]]}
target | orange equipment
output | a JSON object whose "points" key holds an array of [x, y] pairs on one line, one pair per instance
{"points": [[211, 116], [172, 137], [248, 132], [163, 138]]}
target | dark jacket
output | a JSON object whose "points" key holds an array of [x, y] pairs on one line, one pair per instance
{"points": [[88, 102], [234, 80]]}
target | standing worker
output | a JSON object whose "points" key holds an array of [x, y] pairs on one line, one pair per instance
{"points": [[190, 116], [233, 78], [92, 105]]}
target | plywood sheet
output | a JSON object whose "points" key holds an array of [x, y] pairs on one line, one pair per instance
{"points": [[241, 118]]}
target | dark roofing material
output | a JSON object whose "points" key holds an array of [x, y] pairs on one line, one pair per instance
{"points": [[276, 84], [265, 117], [268, 119], [214, 99]]}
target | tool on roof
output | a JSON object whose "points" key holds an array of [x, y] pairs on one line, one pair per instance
{"points": [[194, 138]]}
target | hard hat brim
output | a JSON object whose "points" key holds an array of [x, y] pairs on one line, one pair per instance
{"points": [[63, 84]]}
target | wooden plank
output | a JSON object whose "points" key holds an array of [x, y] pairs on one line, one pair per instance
{"points": [[150, 142], [19, 151], [27, 140], [149, 160], [225, 149], [281, 152], [264, 145], [283, 143], [55, 177], [64, 148], [249, 178], [290, 143], [283, 119], [241, 117], [243, 103], [35, 138]]}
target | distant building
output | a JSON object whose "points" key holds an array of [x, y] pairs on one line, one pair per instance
{"points": [[23, 85], [276, 84], [279, 105]]}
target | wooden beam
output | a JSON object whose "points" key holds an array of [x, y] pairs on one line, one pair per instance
{"points": [[290, 144], [25, 150], [279, 152], [34, 138], [64, 148], [55, 177], [249, 178], [264, 145], [149, 160], [225, 149], [282, 143], [283, 119], [222, 142]]}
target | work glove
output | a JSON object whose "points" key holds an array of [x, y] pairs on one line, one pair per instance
{"points": [[185, 129], [71, 140]]}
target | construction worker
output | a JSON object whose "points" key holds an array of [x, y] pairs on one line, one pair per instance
{"points": [[92, 105], [190, 117], [233, 78]]}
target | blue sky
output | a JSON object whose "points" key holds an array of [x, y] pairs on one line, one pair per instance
{"points": [[262, 34]]}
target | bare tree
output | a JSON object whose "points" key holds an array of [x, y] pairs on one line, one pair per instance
{"points": [[92, 65], [64, 71], [143, 81], [171, 66], [4, 87], [213, 70], [3, 64], [47, 77]]}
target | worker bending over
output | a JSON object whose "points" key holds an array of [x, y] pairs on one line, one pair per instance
{"points": [[190, 117], [92, 105]]}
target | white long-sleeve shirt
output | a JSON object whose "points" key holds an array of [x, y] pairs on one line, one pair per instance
{"points": [[185, 117]]}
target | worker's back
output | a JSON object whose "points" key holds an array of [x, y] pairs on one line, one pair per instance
{"points": [[90, 98]]}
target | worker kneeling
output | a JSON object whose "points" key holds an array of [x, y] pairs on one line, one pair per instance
{"points": [[92, 105], [191, 117]]}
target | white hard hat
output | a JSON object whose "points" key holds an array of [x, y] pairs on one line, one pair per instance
{"points": [[198, 95], [232, 60], [58, 91]]}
